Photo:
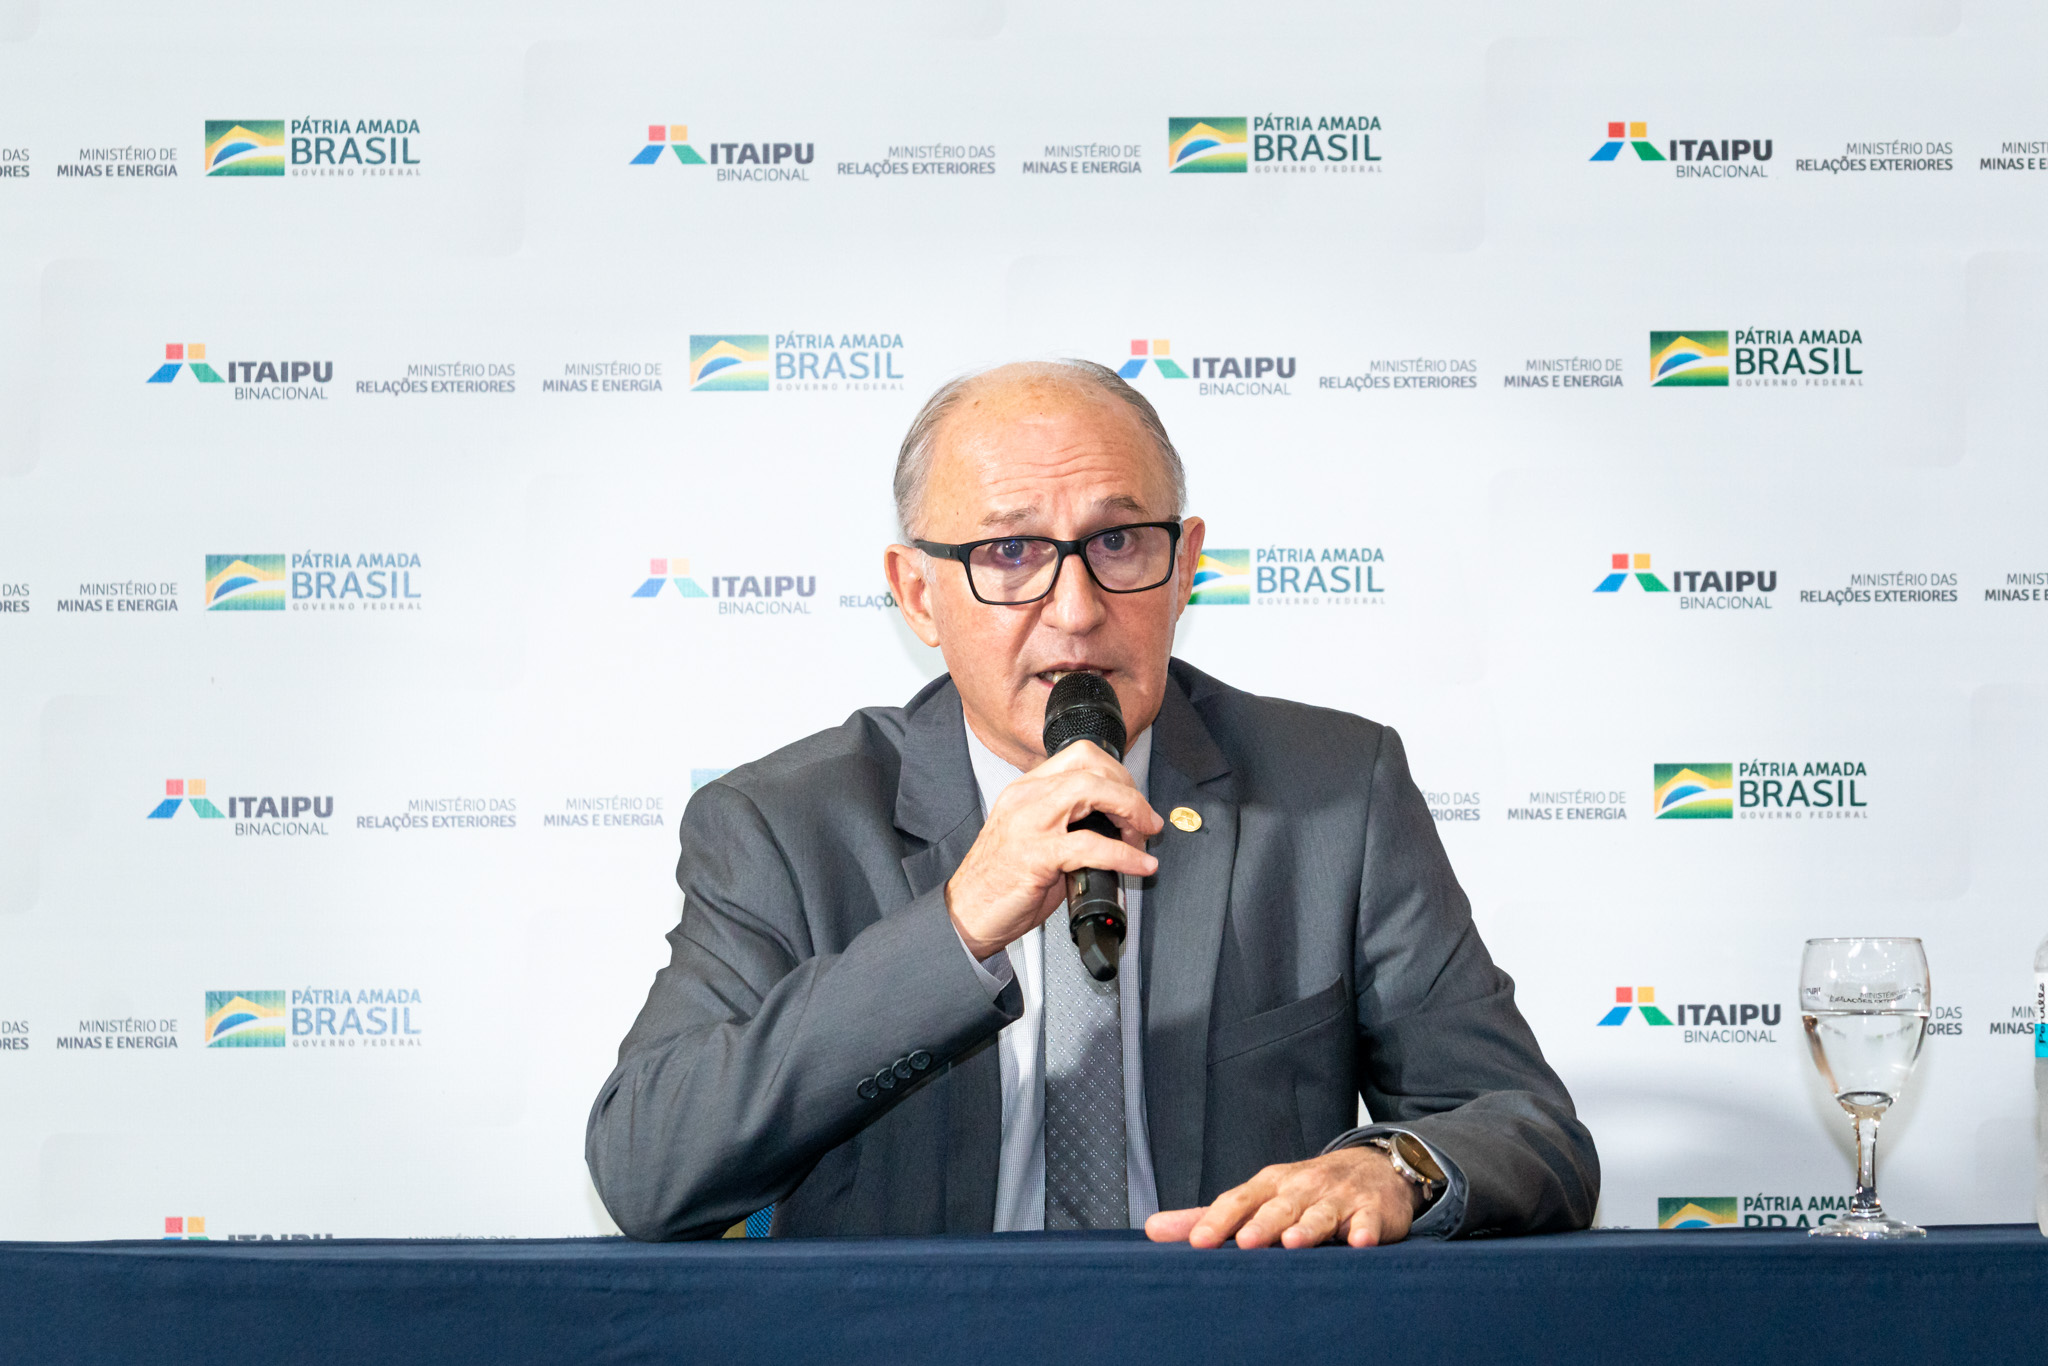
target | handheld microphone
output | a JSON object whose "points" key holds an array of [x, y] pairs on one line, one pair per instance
{"points": [[1084, 707]]}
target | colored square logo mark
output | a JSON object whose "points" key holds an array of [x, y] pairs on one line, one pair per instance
{"points": [[1689, 360], [1695, 792], [1696, 1211], [1223, 578], [179, 792], [1205, 145], [668, 137], [734, 362], [1156, 350], [245, 583], [245, 147], [245, 1019], [1640, 999]]}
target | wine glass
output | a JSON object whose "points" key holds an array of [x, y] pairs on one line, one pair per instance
{"points": [[1864, 1004]]}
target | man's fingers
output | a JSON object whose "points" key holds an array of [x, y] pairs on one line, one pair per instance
{"points": [[1231, 1209], [1083, 763], [1076, 781], [1121, 802], [1086, 849], [1273, 1218], [1365, 1229], [1342, 1195], [1079, 758], [1173, 1225], [1093, 772], [1314, 1225]]}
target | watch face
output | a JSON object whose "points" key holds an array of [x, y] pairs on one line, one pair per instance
{"points": [[1417, 1156]]}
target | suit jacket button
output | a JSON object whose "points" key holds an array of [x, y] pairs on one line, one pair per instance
{"points": [[886, 1079], [902, 1068], [920, 1060], [866, 1088]]}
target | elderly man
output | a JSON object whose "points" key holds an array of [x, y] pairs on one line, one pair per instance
{"points": [[874, 1017]]}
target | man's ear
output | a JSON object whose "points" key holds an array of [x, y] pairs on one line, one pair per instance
{"points": [[1193, 533], [910, 584]]}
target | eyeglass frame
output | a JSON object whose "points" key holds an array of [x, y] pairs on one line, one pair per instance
{"points": [[1065, 548]]}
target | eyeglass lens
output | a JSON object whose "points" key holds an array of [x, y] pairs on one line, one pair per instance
{"points": [[1022, 568]]}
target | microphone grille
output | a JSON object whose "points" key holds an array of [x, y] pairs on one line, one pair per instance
{"points": [[1084, 707]]}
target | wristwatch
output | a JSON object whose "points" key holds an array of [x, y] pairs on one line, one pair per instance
{"points": [[1412, 1163]]}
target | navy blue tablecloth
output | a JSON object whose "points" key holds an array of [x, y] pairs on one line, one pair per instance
{"points": [[1977, 1294]]}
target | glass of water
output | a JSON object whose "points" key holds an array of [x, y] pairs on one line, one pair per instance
{"points": [[1864, 1004]]}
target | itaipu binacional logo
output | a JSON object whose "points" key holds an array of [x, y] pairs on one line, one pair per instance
{"points": [[1634, 135], [183, 792], [1219, 376], [1696, 1211], [245, 147], [1689, 158], [1700, 1023], [737, 162], [1205, 145], [248, 380], [1691, 792], [661, 571], [252, 816], [245, 583], [245, 1019], [1693, 589], [183, 355], [745, 595], [731, 362], [1689, 360], [667, 137]]}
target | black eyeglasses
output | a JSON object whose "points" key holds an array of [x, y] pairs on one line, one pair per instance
{"points": [[1009, 571]]}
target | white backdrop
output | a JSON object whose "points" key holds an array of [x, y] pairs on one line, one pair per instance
{"points": [[480, 340]]}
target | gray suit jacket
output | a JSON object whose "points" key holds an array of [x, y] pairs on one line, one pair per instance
{"points": [[1306, 946]]}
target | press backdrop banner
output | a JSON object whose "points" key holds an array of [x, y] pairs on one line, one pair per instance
{"points": [[433, 444]]}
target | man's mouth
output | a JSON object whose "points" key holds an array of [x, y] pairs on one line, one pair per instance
{"points": [[1052, 676]]}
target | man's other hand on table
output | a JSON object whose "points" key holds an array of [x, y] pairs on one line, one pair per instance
{"points": [[1353, 1195]]}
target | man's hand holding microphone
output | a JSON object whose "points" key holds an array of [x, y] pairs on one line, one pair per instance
{"points": [[1016, 874]]}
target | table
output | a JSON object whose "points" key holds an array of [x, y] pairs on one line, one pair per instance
{"points": [[1977, 1294]]}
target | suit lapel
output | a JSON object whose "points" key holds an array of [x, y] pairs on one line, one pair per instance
{"points": [[938, 809], [935, 788], [1185, 906]]}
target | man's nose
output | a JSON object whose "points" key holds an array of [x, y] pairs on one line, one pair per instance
{"points": [[1076, 606]]}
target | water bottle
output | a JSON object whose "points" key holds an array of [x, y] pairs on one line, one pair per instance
{"points": [[2041, 1086]]}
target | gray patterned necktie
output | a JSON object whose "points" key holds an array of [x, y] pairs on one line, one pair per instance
{"points": [[1085, 1184]]}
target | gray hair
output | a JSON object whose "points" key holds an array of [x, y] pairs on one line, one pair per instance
{"points": [[914, 459]]}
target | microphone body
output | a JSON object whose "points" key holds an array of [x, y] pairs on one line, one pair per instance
{"points": [[1084, 707]]}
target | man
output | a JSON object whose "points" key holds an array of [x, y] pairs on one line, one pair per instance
{"points": [[864, 1023]]}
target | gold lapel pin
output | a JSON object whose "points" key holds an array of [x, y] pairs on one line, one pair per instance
{"points": [[1186, 818]]}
